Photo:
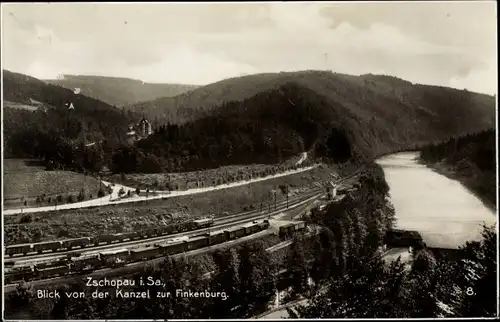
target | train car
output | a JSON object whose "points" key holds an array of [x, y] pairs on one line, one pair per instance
{"points": [[19, 249], [57, 262], [18, 276], [77, 242], [292, 227], [22, 269], [173, 248], [108, 239], [85, 263], [126, 236], [51, 246], [203, 223], [216, 237], [144, 253], [234, 232], [197, 242], [115, 257], [53, 272], [251, 228]]}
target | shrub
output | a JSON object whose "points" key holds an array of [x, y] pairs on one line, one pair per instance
{"points": [[71, 198], [100, 193], [26, 219]]}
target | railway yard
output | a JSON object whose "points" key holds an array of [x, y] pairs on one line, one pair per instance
{"points": [[114, 255]]}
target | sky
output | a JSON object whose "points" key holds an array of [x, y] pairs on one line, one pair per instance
{"points": [[440, 43]]}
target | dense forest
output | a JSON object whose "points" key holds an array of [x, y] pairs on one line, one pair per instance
{"points": [[366, 97], [472, 157], [79, 138], [332, 116], [120, 91], [276, 124], [349, 276]]}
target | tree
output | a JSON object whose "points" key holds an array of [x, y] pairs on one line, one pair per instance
{"points": [[297, 266], [478, 277], [81, 195], [257, 278], [226, 278]]}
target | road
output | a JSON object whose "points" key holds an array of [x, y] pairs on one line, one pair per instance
{"points": [[219, 224], [113, 198], [302, 158]]}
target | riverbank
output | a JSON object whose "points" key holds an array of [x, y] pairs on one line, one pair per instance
{"points": [[434, 202], [471, 183]]}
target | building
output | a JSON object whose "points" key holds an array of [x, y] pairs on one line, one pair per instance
{"points": [[144, 127], [139, 131], [331, 190]]}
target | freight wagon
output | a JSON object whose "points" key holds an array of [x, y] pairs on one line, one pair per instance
{"points": [[292, 227], [52, 246], [216, 237], [85, 263], [104, 239], [172, 248], [234, 232], [203, 223], [53, 272], [57, 262], [144, 253], [18, 249], [115, 257], [197, 242], [78, 242]]}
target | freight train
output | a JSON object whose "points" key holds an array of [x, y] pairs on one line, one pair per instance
{"points": [[83, 242], [88, 263]]}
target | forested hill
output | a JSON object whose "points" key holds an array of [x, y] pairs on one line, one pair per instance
{"points": [[367, 95], [120, 91], [472, 158], [53, 131], [278, 123]]}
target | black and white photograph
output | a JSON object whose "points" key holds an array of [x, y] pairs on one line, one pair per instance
{"points": [[249, 160]]}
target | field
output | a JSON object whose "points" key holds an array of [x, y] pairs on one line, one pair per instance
{"points": [[195, 179], [28, 179], [130, 217]]}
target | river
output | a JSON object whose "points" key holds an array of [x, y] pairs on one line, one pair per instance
{"points": [[444, 212]]}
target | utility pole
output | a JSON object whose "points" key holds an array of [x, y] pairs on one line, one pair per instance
{"points": [[275, 206]]}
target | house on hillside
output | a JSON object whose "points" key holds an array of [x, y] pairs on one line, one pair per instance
{"points": [[141, 130], [144, 127]]}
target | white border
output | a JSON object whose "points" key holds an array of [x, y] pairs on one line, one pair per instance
{"points": [[322, 2]]}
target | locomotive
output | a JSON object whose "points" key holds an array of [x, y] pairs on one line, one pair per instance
{"points": [[83, 242]]}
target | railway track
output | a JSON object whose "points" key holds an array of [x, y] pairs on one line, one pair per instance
{"points": [[301, 202], [131, 267], [219, 224]]}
